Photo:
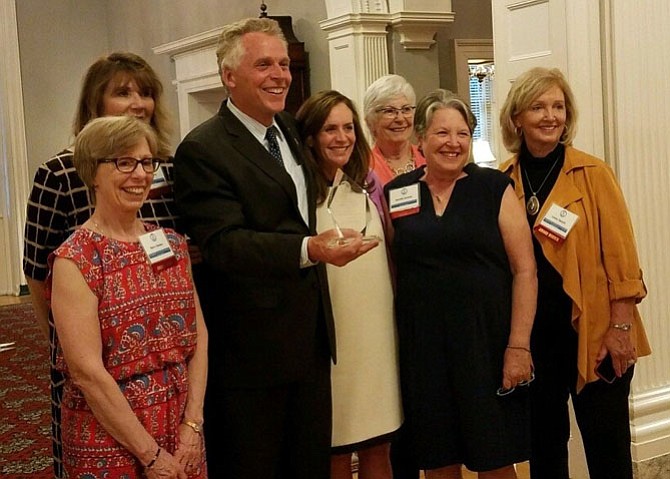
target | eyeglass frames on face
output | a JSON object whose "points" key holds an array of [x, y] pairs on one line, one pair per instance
{"points": [[504, 392], [391, 112], [128, 164]]}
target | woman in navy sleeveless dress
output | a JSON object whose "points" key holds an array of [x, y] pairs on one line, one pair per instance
{"points": [[465, 302]]}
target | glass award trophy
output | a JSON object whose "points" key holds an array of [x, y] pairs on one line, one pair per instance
{"points": [[348, 205]]}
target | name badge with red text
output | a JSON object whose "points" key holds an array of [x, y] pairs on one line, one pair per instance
{"points": [[158, 250], [159, 185], [404, 201], [557, 223]]}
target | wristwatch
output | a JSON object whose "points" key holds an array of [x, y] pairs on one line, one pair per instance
{"points": [[622, 326]]}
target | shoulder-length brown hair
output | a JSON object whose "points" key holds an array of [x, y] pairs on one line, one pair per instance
{"points": [[311, 117], [103, 71]]}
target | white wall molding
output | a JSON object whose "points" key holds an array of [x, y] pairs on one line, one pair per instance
{"points": [[335, 8], [419, 6], [197, 80], [360, 39], [464, 50], [189, 44], [357, 43], [650, 423], [418, 29]]}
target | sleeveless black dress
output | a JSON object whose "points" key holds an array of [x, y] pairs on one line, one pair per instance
{"points": [[453, 307]]}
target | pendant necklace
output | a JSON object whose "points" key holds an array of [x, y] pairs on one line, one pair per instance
{"points": [[533, 204]]}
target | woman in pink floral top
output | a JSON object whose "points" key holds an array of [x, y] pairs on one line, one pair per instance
{"points": [[132, 341]]}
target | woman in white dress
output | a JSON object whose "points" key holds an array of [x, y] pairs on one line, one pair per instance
{"points": [[367, 409]]}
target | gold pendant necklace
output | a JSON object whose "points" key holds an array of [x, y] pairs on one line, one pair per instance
{"points": [[533, 204]]}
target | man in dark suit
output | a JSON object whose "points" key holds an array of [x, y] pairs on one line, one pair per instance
{"points": [[248, 203]]}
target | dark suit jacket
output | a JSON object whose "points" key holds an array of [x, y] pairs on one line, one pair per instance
{"points": [[267, 319]]}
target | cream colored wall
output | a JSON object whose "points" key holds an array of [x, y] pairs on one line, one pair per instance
{"points": [[139, 26], [58, 39], [54, 64]]}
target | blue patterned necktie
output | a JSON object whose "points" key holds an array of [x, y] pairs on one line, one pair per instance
{"points": [[271, 137]]}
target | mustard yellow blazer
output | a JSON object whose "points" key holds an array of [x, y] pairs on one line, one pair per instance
{"points": [[598, 260]]}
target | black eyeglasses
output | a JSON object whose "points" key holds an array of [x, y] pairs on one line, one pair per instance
{"points": [[505, 392], [128, 164], [391, 112]]}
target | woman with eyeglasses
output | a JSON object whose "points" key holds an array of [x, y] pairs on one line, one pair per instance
{"points": [[120, 83], [465, 302], [388, 106], [132, 340]]}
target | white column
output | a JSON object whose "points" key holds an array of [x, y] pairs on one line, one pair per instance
{"points": [[417, 21], [358, 52], [358, 38], [638, 106]]}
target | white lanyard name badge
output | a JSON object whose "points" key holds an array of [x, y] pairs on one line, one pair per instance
{"points": [[159, 185], [158, 250], [557, 223], [404, 201]]}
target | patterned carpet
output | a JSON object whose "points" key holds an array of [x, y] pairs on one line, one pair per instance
{"points": [[25, 444]]}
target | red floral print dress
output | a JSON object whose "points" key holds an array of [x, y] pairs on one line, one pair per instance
{"points": [[148, 332]]}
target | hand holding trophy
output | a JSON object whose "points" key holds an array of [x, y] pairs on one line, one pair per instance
{"points": [[348, 205]]}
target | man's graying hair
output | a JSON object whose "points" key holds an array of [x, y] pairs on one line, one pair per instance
{"points": [[229, 49]]}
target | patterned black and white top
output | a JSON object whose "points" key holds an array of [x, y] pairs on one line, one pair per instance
{"points": [[60, 202]]}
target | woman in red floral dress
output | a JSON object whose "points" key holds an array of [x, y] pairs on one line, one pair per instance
{"points": [[132, 340]]}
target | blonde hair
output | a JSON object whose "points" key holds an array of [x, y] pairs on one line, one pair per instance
{"points": [[525, 90], [230, 50], [107, 137]]}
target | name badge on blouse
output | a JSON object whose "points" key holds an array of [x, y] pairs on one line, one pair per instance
{"points": [[158, 250], [404, 201], [159, 185], [557, 223]]}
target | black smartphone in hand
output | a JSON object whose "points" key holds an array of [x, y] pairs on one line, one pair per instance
{"points": [[605, 370]]}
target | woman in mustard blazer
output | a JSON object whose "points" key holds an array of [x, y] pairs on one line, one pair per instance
{"points": [[589, 281]]}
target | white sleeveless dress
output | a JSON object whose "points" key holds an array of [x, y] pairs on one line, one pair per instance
{"points": [[365, 380]]}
